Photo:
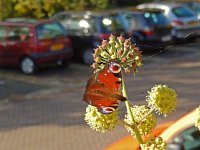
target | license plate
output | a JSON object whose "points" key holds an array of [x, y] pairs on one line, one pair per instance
{"points": [[166, 38], [192, 23], [57, 47]]}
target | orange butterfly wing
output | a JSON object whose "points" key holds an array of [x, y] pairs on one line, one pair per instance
{"points": [[103, 91]]}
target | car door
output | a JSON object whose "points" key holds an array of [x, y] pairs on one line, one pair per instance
{"points": [[3, 47], [17, 44]]}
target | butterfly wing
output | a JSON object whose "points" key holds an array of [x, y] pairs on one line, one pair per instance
{"points": [[102, 91], [109, 79]]}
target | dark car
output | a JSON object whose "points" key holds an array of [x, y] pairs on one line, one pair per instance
{"points": [[149, 29], [87, 29], [31, 43]]}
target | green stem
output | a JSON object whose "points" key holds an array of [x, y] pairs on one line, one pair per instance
{"points": [[126, 124], [128, 106]]}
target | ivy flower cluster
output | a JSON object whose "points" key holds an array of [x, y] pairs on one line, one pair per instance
{"points": [[120, 50], [162, 99], [154, 143], [100, 122], [144, 124]]}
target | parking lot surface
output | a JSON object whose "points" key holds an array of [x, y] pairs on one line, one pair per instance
{"points": [[45, 111]]}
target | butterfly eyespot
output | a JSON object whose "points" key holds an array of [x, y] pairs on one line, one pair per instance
{"points": [[107, 110], [114, 67]]}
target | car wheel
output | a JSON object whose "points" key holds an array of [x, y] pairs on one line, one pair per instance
{"points": [[27, 65], [87, 57]]}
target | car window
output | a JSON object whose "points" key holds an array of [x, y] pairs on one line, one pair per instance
{"points": [[155, 18], [110, 23], [49, 30], [2, 33], [182, 12], [131, 20], [19, 33], [79, 25]]}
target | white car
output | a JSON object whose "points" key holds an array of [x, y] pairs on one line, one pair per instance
{"points": [[185, 23]]}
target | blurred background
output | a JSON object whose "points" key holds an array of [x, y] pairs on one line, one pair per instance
{"points": [[46, 52]]}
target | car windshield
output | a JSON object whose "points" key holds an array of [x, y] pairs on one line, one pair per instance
{"points": [[110, 24], [49, 30], [79, 25], [155, 18], [182, 12]]}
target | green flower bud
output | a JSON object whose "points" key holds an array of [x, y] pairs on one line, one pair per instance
{"points": [[121, 39], [112, 38], [127, 42], [117, 45], [124, 59], [113, 56], [120, 52], [111, 51], [127, 70]]}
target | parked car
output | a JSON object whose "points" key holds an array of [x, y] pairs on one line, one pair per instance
{"points": [[180, 135], [185, 23], [148, 28], [87, 29], [31, 43]]}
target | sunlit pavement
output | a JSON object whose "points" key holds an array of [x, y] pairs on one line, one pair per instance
{"points": [[45, 112]]}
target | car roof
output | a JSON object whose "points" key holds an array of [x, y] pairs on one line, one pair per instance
{"points": [[86, 14], [170, 4], [134, 10], [23, 22]]}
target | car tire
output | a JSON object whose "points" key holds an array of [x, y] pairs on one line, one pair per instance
{"points": [[87, 57], [27, 65]]}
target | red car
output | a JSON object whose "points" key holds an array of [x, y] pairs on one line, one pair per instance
{"points": [[30, 43], [180, 135]]}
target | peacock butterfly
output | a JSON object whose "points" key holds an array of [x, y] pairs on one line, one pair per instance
{"points": [[103, 88]]}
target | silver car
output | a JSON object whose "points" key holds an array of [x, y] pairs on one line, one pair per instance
{"points": [[185, 23]]}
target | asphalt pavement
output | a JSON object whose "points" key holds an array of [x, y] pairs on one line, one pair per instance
{"points": [[45, 111]]}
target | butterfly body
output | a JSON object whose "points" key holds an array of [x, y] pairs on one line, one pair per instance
{"points": [[103, 89]]}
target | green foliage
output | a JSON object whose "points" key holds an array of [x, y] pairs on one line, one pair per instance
{"points": [[46, 8], [37, 8], [6, 8]]}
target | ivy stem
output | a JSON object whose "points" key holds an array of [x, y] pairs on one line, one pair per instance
{"points": [[126, 124], [128, 107], [146, 115]]}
